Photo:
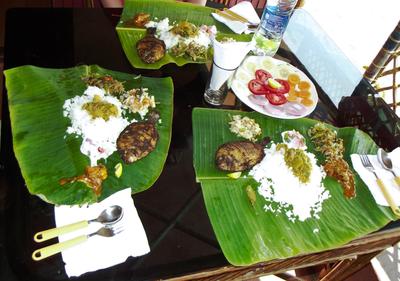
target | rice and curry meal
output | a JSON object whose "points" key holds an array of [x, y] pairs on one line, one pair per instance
{"points": [[285, 169], [103, 118], [179, 39]]}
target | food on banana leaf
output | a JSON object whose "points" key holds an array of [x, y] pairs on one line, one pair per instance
{"points": [[339, 169], [327, 142], [294, 139], [193, 51], [138, 101], [138, 139], [282, 180], [184, 39], [251, 195], [101, 118], [106, 82], [93, 177], [239, 156], [100, 131], [141, 19], [98, 108], [185, 29], [244, 127], [234, 175], [48, 144], [118, 170], [150, 49], [298, 161]]}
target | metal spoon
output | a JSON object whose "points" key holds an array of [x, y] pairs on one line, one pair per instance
{"points": [[108, 216], [386, 162]]}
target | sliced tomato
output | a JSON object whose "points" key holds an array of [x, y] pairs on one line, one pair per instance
{"points": [[257, 87], [285, 87], [263, 75], [285, 84], [276, 99]]}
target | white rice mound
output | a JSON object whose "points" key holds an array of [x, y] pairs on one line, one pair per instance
{"points": [[98, 136], [283, 192]]}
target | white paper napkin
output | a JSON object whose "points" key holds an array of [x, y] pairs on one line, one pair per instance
{"points": [[227, 57], [101, 252], [244, 9], [386, 176]]}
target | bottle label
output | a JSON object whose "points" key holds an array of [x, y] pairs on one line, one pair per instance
{"points": [[275, 24]]}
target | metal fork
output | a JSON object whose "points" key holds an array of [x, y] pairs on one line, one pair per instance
{"points": [[59, 247], [368, 165]]}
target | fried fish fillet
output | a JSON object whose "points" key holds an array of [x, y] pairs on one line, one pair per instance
{"points": [[137, 140], [150, 49], [239, 155]]}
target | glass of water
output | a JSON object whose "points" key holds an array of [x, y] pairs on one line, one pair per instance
{"points": [[227, 58], [217, 85]]}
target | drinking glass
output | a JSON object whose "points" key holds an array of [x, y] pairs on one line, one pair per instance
{"points": [[217, 85], [227, 58]]}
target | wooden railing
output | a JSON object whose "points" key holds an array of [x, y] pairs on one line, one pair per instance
{"points": [[386, 64]]}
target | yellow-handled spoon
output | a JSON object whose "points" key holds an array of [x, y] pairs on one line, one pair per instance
{"points": [[386, 162], [108, 216]]}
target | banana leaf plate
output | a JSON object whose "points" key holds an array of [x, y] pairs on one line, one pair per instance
{"points": [[248, 234], [158, 10], [45, 152]]}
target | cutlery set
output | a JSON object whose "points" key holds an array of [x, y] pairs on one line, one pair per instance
{"points": [[386, 163], [109, 217], [230, 15]]}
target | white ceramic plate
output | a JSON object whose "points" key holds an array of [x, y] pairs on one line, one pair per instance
{"points": [[278, 69]]}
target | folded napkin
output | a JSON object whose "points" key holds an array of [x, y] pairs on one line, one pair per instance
{"points": [[227, 57], [386, 176], [244, 9], [101, 252]]}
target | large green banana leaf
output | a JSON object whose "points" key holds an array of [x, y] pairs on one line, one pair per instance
{"points": [[45, 154], [247, 234], [160, 9]]}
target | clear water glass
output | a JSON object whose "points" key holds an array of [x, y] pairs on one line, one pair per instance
{"points": [[215, 95]]}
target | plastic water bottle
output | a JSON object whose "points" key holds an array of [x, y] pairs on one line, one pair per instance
{"points": [[275, 18]]}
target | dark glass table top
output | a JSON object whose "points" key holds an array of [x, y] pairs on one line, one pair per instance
{"points": [[172, 210]]}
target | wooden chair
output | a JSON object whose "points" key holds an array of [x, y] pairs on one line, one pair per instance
{"points": [[386, 64]]}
